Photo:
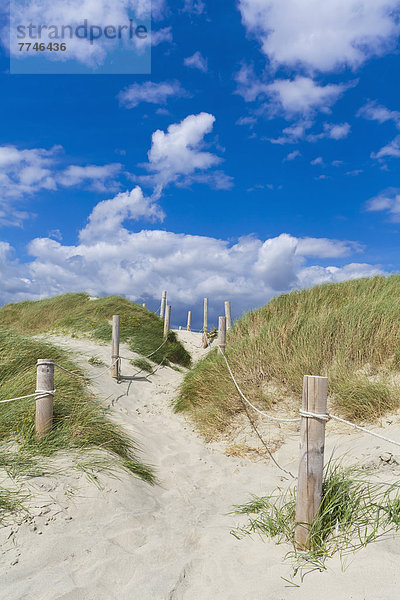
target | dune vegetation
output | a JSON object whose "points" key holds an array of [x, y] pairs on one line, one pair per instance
{"points": [[354, 512], [80, 424], [349, 332], [78, 314]]}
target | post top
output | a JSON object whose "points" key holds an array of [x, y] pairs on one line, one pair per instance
{"points": [[315, 377], [45, 361]]}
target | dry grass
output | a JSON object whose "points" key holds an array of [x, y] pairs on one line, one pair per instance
{"points": [[349, 332]]}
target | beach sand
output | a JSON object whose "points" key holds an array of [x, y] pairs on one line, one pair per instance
{"points": [[124, 539]]}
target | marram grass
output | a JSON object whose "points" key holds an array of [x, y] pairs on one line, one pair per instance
{"points": [[354, 512], [77, 314], [80, 423], [349, 332]]}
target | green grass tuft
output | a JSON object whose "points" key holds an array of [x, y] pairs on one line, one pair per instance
{"points": [[11, 505], [349, 332], [354, 512], [95, 361], [142, 364]]}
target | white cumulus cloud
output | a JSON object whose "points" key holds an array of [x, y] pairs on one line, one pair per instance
{"points": [[178, 155], [100, 178], [322, 35], [290, 97], [107, 216], [303, 95]]}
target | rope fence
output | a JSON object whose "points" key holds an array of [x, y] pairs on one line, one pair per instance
{"points": [[37, 394], [45, 390], [308, 415], [313, 418]]}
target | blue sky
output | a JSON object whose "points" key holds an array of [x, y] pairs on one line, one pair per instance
{"points": [[259, 156]]}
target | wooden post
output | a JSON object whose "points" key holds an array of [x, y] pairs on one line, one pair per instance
{"points": [[228, 315], [189, 321], [167, 320], [205, 324], [222, 335], [115, 369], [311, 465], [44, 404], [163, 304]]}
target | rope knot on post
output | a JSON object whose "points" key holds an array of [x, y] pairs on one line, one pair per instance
{"points": [[41, 393], [310, 415]]}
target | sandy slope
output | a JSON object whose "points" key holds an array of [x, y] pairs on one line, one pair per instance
{"points": [[131, 541]]}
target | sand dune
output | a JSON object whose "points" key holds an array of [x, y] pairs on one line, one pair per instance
{"points": [[127, 540]]}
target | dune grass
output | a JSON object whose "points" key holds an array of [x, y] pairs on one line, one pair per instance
{"points": [[349, 332], [11, 505], [142, 364], [354, 512], [79, 423], [77, 314]]}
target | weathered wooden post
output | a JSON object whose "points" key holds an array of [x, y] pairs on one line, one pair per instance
{"points": [[222, 335], [44, 403], [116, 325], [167, 320], [163, 304], [311, 465], [205, 324], [228, 315], [189, 321]]}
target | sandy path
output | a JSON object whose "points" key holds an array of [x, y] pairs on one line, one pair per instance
{"points": [[132, 541]]}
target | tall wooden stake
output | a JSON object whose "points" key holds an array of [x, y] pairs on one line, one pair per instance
{"points": [[167, 320], [189, 321], [311, 465], [115, 369], [222, 335], [228, 315], [205, 324], [44, 404], [163, 305]]}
